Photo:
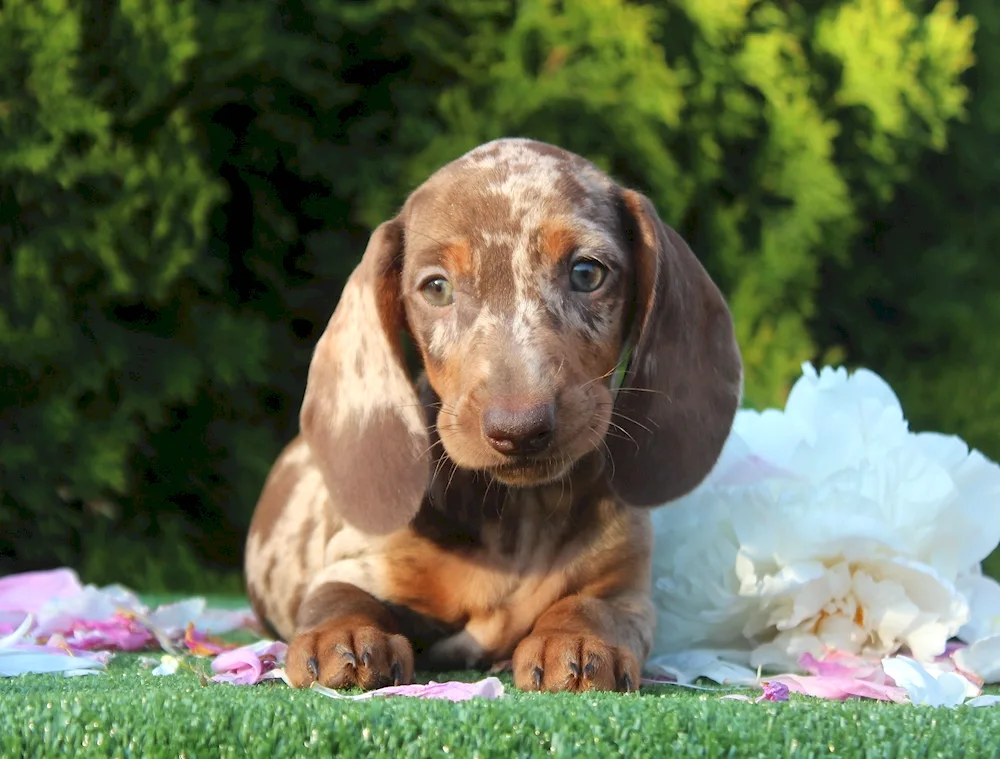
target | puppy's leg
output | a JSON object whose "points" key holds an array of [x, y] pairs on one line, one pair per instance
{"points": [[347, 638], [584, 643]]}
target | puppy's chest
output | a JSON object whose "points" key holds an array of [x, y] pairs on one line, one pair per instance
{"points": [[469, 606]]}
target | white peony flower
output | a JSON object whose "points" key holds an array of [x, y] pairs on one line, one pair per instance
{"points": [[830, 525]]}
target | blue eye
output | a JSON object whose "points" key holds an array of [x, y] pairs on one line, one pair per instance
{"points": [[587, 275], [438, 291]]}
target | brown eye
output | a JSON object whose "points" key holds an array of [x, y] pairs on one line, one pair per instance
{"points": [[438, 292], [587, 275]]}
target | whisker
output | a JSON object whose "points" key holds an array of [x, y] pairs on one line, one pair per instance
{"points": [[431, 447], [641, 390], [620, 415], [454, 468], [437, 469], [602, 441], [607, 374]]}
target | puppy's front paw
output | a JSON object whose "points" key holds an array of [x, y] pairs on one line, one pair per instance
{"points": [[342, 654], [573, 663]]}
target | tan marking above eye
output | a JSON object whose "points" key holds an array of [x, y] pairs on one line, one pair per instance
{"points": [[556, 241], [457, 258]]}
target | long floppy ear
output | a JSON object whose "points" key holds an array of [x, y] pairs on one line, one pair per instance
{"points": [[360, 415], [685, 377]]}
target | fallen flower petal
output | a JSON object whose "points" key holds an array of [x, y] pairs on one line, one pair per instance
{"points": [[29, 591], [18, 635], [982, 659], [121, 632], [171, 620], [774, 691], [168, 666], [925, 688], [221, 621], [842, 664], [670, 680], [488, 688], [31, 659], [987, 700], [200, 644], [248, 664], [687, 666], [840, 688]]}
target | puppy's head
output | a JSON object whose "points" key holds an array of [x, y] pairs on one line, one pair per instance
{"points": [[555, 315]]}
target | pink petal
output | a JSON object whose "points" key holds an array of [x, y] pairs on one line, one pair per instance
{"points": [[953, 647], [489, 688], [29, 591], [774, 692], [838, 664], [120, 632], [200, 644], [839, 688], [248, 664]]}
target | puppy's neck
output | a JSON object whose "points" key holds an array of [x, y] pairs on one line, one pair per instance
{"points": [[462, 505]]}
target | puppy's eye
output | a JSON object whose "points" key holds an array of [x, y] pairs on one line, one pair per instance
{"points": [[438, 292], [587, 275]]}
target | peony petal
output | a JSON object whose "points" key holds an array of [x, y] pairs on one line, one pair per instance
{"points": [[688, 666], [982, 659], [841, 664], [489, 688], [988, 700], [840, 688], [774, 691], [19, 635], [171, 620], [90, 605], [31, 659], [221, 621], [248, 665], [925, 688], [28, 591], [168, 666], [983, 595]]}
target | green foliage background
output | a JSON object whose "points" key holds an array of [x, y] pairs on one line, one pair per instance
{"points": [[185, 185]]}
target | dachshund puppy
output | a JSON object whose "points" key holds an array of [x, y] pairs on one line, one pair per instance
{"points": [[579, 367]]}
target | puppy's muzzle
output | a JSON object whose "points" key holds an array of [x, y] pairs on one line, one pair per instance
{"points": [[515, 429]]}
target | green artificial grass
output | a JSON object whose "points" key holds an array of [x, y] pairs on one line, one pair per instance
{"points": [[127, 712]]}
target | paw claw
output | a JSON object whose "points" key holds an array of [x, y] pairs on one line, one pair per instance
{"points": [[332, 654], [348, 654], [574, 663]]}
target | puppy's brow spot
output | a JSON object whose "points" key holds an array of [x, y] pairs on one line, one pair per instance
{"points": [[457, 258], [556, 240]]}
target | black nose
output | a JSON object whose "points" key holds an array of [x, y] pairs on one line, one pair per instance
{"points": [[519, 429]]}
